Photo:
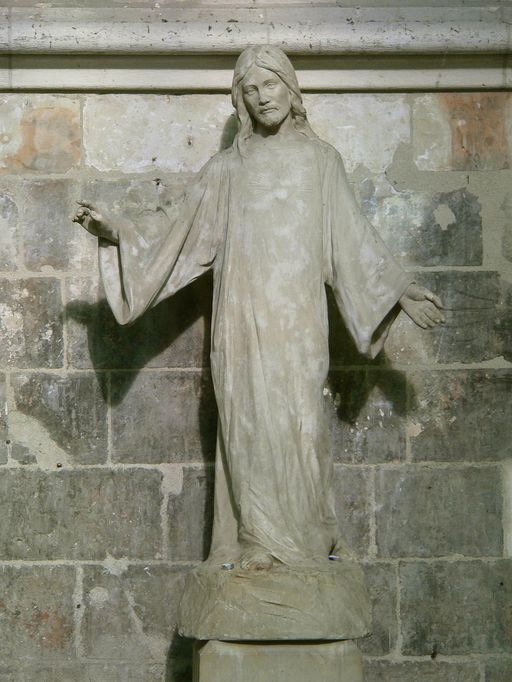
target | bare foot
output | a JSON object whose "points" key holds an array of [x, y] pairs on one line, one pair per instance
{"points": [[256, 559]]}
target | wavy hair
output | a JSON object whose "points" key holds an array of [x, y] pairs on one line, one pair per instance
{"points": [[273, 59]]}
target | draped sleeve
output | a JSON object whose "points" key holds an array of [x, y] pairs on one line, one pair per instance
{"points": [[164, 250], [366, 280]]}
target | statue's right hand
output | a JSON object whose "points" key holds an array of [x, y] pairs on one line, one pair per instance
{"points": [[95, 222]]}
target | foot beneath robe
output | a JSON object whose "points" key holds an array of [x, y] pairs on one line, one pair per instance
{"points": [[256, 559]]}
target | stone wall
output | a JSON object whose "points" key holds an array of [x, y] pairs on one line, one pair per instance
{"points": [[108, 433]]}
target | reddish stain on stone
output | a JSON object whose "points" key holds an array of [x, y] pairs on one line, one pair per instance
{"points": [[49, 628], [50, 141], [478, 130]]}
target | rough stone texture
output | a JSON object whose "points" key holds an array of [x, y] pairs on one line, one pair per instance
{"points": [[162, 416], [30, 323], [131, 611], [193, 130], [381, 580], [86, 514], [426, 230], [190, 513], [461, 415], [4, 441], [9, 227], [456, 608], [351, 501], [174, 334], [410, 521], [498, 670], [367, 409], [36, 612], [365, 129], [58, 420], [39, 133], [407, 671]]}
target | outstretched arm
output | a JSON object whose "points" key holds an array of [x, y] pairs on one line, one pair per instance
{"points": [[423, 307], [97, 222]]}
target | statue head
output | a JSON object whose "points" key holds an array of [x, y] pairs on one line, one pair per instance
{"points": [[251, 63]]}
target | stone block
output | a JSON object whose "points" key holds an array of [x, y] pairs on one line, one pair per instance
{"points": [[36, 613], [130, 614], [461, 131], [174, 133], [461, 607], [30, 323], [437, 512], [43, 671], [129, 672], [9, 227], [424, 229], [232, 662], [367, 410], [163, 416], [174, 334], [190, 515], [4, 439], [39, 133], [471, 301], [461, 415], [85, 514], [409, 671], [51, 241], [365, 128], [351, 500], [498, 670], [58, 419], [381, 581]]}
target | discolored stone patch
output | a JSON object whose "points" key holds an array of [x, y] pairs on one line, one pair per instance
{"points": [[410, 521], [381, 581], [409, 671], [4, 439], [30, 323], [462, 415], [39, 133], [58, 420], [9, 227], [163, 416], [83, 514], [36, 612], [498, 670], [351, 502], [453, 608]]}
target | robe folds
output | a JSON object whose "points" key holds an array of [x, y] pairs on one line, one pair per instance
{"points": [[273, 237]]}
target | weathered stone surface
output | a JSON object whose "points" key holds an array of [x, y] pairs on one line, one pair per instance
{"points": [[50, 239], [162, 416], [174, 334], [437, 512], [461, 415], [461, 131], [36, 612], [86, 514], [365, 128], [422, 229], [4, 439], [39, 133], [498, 670], [30, 323], [407, 671], [367, 415], [9, 227], [45, 672], [172, 133], [456, 608], [130, 614], [59, 420], [190, 515], [381, 581], [351, 500], [469, 335]]}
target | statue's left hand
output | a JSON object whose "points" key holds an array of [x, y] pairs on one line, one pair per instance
{"points": [[423, 307]]}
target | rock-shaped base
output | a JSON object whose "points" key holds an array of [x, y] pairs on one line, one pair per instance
{"points": [[326, 662], [325, 602]]}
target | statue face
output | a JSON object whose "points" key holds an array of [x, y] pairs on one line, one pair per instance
{"points": [[266, 97]]}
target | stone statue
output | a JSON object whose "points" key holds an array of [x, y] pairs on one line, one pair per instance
{"points": [[274, 217]]}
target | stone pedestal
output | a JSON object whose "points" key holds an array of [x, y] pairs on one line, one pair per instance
{"points": [[268, 662]]}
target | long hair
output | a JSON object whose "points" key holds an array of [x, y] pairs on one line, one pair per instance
{"points": [[275, 60]]}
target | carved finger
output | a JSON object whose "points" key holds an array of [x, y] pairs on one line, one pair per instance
{"points": [[87, 204], [435, 299]]}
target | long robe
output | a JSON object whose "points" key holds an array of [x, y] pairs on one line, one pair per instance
{"points": [[274, 236]]}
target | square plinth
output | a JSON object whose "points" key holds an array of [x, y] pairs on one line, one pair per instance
{"points": [[278, 662]]}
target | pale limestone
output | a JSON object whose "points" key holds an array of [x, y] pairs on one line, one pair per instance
{"points": [[234, 662], [137, 133], [431, 135], [364, 128]]}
